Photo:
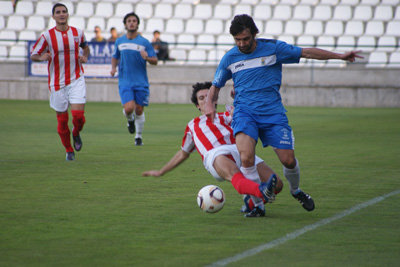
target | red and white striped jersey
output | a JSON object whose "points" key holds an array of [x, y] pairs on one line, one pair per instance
{"points": [[64, 66], [205, 135]]}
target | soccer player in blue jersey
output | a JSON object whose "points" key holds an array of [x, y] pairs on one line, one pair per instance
{"points": [[131, 54], [255, 66]]}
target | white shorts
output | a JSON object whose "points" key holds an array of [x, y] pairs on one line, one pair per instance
{"points": [[73, 93], [211, 155]]}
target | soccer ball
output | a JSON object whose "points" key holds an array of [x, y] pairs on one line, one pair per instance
{"points": [[211, 198]]}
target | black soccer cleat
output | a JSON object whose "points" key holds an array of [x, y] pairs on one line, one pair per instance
{"points": [[131, 127], [138, 141], [256, 212], [305, 200], [77, 142], [70, 156]]}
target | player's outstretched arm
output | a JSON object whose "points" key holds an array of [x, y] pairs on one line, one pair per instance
{"points": [[176, 160], [316, 53], [212, 99]]}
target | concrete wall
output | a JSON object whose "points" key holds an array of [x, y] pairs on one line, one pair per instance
{"points": [[352, 86]]}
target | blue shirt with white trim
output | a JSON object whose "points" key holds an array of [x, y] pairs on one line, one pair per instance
{"points": [[257, 76], [132, 70]]}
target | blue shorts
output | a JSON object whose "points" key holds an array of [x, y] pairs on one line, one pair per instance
{"points": [[273, 130], [141, 97]]}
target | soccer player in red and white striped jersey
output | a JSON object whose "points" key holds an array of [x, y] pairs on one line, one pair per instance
{"points": [[215, 142], [65, 48]]}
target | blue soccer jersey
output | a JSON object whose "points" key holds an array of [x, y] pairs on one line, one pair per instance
{"points": [[132, 72], [257, 76]]}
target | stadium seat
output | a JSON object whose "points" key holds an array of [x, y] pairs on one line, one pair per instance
{"points": [[294, 27], [174, 26], [334, 28], [377, 59], [370, 2], [215, 55], [397, 13], [262, 12], [194, 26], [313, 28], [117, 23], [363, 13], [169, 38], [308, 2], [84, 9], [163, 11], [302, 12], [274, 27], [26, 35], [18, 53], [222, 12], [342, 13], [3, 52], [104, 9], [2, 22], [178, 54], [144, 10], [282, 12], [198, 56], [289, 39], [16, 22], [95, 21], [366, 43], [242, 9], [374, 28], [386, 43], [121, 9], [205, 41], [8, 35], [384, 13], [393, 28], [183, 11], [394, 60], [185, 41], [6, 8], [24, 8], [390, 2], [155, 24], [260, 25], [354, 28], [214, 26], [225, 41], [202, 11], [230, 2], [345, 43], [326, 42], [78, 22], [349, 2], [36, 23], [322, 12], [305, 41], [43, 8], [329, 2]]}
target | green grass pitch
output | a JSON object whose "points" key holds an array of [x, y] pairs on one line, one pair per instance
{"points": [[100, 211]]}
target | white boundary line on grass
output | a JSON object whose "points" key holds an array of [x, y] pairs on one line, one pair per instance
{"points": [[301, 231]]}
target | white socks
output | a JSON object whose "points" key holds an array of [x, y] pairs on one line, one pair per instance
{"points": [[139, 124], [129, 117], [252, 174], [293, 177]]}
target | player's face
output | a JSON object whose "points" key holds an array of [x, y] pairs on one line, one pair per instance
{"points": [[131, 24], [201, 99], [245, 41], [60, 15]]}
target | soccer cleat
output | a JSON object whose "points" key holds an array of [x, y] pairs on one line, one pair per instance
{"points": [[77, 142], [305, 200], [256, 212], [138, 141], [246, 208], [268, 189], [70, 156], [131, 127]]}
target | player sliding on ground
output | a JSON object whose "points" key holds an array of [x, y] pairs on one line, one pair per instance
{"points": [[215, 143]]}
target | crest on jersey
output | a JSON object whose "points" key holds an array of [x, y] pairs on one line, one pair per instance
{"points": [[76, 39]]}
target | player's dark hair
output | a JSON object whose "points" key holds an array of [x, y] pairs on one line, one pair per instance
{"points": [[197, 87], [57, 5], [242, 22], [131, 14]]}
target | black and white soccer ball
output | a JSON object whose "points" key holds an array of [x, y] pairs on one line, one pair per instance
{"points": [[211, 198]]}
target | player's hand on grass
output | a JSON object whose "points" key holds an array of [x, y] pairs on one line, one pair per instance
{"points": [[155, 173]]}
